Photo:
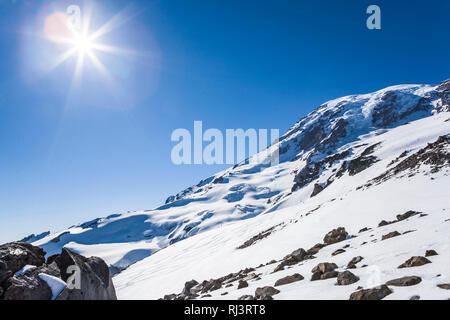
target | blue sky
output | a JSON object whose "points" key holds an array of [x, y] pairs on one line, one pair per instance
{"points": [[102, 147]]}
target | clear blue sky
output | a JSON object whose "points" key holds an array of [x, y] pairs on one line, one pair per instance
{"points": [[66, 157]]}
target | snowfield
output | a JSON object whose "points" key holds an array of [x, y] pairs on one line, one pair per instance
{"points": [[351, 163]]}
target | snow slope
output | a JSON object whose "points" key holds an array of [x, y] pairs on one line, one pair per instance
{"points": [[333, 153]]}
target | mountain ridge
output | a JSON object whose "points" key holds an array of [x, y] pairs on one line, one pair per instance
{"points": [[317, 144]]}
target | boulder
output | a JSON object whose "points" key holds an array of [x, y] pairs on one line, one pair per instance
{"points": [[298, 254], [170, 296], [415, 262], [345, 278], [338, 251], [384, 223], [16, 255], [335, 235], [430, 253], [353, 262], [404, 282], [265, 292], [242, 284], [324, 271], [4, 272], [445, 286], [329, 275], [289, 279], [316, 248], [324, 267], [27, 287], [390, 235], [95, 280], [376, 293], [406, 215]]}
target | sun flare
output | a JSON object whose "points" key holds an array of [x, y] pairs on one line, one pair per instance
{"points": [[80, 42], [83, 44]]}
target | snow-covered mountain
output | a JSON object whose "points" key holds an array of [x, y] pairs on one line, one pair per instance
{"points": [[352, 163]]}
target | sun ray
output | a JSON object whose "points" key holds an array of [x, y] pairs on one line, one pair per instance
{"points": [[63, 57], [115, 22]]}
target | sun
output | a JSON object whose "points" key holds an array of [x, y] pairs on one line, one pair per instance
{"points": [[83, 44], [79, 41]]}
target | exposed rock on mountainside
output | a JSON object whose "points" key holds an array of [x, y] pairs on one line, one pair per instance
{"points": [[404, 282], [25, 276], [377, 293]]}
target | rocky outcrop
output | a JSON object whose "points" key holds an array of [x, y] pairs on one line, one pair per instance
{"points": [[17, 255], [335, 236], [354, 261], [430, 253], [377, 293], [435, 156], [25, 276], [266, 293], [289, 279], [346, 278], [404, 282], [390, 235], [324, 271], [414, 262]]}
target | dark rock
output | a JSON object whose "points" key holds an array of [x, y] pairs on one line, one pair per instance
{"points": [[354, 261], [316, 275], [377, 293], [406, 215], [315, 249], [429, 253], [17, 255], [264, 292], [4, 272], [27, 287], [445, 286], [324, 271], [279, 267], [404, 282], [324, 267], [345, 278], [289, 279], [95, 280], [329, 275], [415, 297], [298, 254], [390, 235], [246, 298], [317, 189], [384, 223], [363, 162], [338, 251], [215, 285], [170, 297], [242, 284], [414, 262], [364, 230], [336, 235]]}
